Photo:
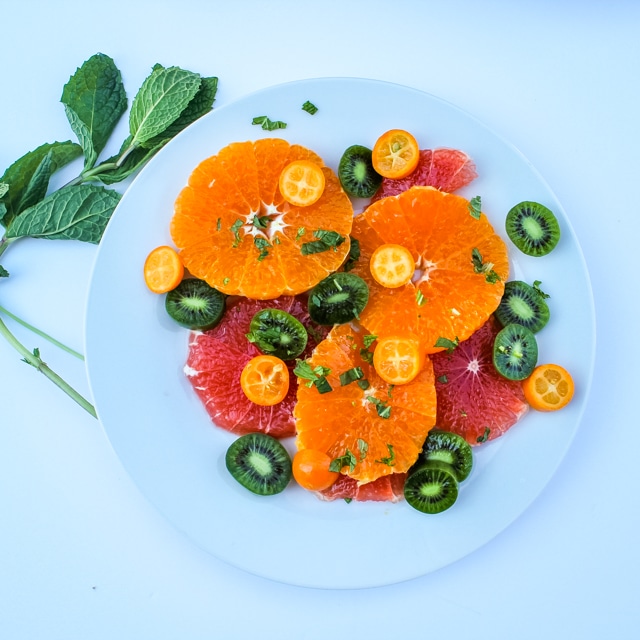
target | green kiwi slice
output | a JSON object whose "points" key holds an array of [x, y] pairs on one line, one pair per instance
{"points": [[515, 352], [523, 304], [195, 305], [277, 333], [448, 448], [533, 228], [260, 463], [356, 173], [339, 298], [432, 488]]}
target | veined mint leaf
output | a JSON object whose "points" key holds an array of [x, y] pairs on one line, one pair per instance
{"points": [[163, 96], [4, 187], [84, 137], [3, 272], [96, 95], [36, 190], [78, 212], [19, 174], [200, 105]]}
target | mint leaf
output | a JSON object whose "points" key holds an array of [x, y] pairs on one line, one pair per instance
{"points": [[447, 344], [20, 173], [310, 108], [78, 212], [390, 459], [4, 187], [119, 167], [326, 240], [3, 272], [348, 459], [351, 375], [475, 205], [94, 99], [163, 96], [200, 104], [36, 190]]}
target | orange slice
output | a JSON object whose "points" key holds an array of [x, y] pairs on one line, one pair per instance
{"points": [[461, 266], [398, 359], [395, 154], [265, 380], [369, 427], [301, 183], [234, 229], [549, 388], [392, 265], [311, 470], [163, 269]]}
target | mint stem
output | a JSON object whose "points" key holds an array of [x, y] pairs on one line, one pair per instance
{"points": [[36, 361], [4, 244], [42, 334]]}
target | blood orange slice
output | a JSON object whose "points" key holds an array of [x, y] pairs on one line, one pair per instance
{"points": [[444, 169], [384, 489], [217, 357], [474, 400]]}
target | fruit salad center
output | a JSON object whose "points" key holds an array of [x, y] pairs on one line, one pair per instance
{"points": [[264, 223]]}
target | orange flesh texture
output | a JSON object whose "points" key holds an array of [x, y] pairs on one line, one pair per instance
{"points": [[163, 269], [265, 380], [241, 182], [335, 421], [550, 387], [446, 297], [301, 183], [398, 360], [392, 265]]}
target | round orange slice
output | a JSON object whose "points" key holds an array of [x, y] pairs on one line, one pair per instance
{"points": [[265, 380], [461, 265], [395, 154], [301, 183], [367, 427], [398, 359], [163, 269], [235, 230], [392, 265]]}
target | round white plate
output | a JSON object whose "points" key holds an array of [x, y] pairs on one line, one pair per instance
{"points": [[162, 434]]}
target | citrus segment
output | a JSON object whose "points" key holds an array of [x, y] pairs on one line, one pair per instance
{"points": [[549, 388], [392, 265], [461, 266], [384, 489], [474, 400], [398, 359], [374, 428], [234, 230], [265, 380], [163, 269], [395, 154], [301, 183], [444, 169], [217, 357]]}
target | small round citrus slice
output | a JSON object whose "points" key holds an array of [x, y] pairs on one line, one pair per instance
{"points": [[163, 269], [265, 380], [392, 265], [395, 154], [398, 359], [549, 388], [301, 183], [311, 470]]}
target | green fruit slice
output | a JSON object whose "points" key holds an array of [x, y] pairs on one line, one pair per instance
{"points": [[339, 298], [515, 352], [432, 488], [449, 448], [533, 228], [356, 173], [277, 333], [195, 305], [523, 304]]}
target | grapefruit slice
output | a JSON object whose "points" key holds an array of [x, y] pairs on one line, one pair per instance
{"points": [[384, 489], [217, 357], [444, 169], [473, 399]]}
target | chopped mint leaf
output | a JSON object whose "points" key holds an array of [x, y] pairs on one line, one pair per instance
{"points": [[383, 409], [485, 436], [443, 379], [390, 459], [3, 272], [368, 340], [475, 205], [225, 282], [536, 286], [351, 375], [309, 107], [260, 222], [326, 240], [354, 254], [420, 299], [363, 447], [347, 460], [269, 125], [483, 267], [363, 384], [449, 345], [313, 375], [235, 229], [264, 247], [301, 232]]}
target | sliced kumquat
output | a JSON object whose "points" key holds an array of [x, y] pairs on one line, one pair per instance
{"points": [[548, 388], [311, 470], [395, 154], [163, 269], [398, 359], [302, 183], [265, 380], [392, 265]]}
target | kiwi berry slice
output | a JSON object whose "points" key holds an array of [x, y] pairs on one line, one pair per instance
{"points": [[195, 304], [448, 448], [515, 352], [356, 173], [260, 463], [533, 228], [277, 333], [339, 298], [432, 488], [523, 304]]}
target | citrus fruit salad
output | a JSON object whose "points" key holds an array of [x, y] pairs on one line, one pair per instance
{"points": [[384, 345]]}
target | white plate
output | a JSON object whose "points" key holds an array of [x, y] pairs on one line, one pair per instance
{"points": [[163, 436]]}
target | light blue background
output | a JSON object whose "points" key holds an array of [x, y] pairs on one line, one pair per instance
{"points": [[82, 554]]}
